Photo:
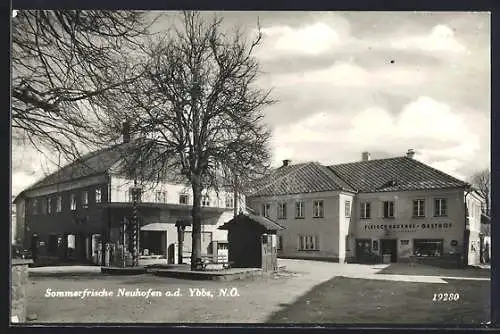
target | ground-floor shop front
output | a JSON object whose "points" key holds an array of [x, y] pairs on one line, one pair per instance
{"points": [[405, 242], [109, 241], [159, 233], [80, 247]]}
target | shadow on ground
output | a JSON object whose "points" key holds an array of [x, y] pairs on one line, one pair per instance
{"points": [[427, 270], [361, 301]]}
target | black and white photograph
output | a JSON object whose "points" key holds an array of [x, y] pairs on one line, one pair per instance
{"points": [[250, 167]]}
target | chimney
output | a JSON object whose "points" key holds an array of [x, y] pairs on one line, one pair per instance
{"points": [[126, 131], [411, 153], [365, 156], [286, 162]]}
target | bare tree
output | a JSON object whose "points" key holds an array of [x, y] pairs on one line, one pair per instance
{"points": [[201, 110], [65, 66], [482, 182]]}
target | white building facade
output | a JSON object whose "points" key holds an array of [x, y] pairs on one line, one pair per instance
{"points": [[396, 207]]}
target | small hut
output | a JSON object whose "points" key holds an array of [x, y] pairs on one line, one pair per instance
{"points": [[252, 241]]}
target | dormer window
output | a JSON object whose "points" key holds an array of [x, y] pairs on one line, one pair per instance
{"points": [[389, 184]]}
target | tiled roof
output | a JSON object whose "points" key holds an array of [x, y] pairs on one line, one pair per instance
{"points": [[93, 163], [394, 174], [267, 223], [99, 162], [381, 175], [301, 178]]}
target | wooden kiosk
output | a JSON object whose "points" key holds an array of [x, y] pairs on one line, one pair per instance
{"points": [[252, 242]]}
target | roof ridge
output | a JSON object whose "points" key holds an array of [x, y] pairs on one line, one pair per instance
{"points": [[81, 159], [341, 178], [324, 169], [439, 171], [286, 174], [367, 161]]}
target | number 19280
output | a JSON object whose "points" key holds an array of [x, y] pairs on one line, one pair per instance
{"points": [[446, 297]]}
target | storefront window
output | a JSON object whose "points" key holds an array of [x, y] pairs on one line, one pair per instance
{"points": [[428, 247]]}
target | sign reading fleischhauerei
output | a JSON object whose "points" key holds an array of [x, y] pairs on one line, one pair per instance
{"points": [[407, 227]]}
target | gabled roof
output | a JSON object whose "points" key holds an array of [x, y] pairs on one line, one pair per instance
{"points": [[266, 223], [97, 163], [381, 175], [93, 163], [301, 178], [394, 174]]}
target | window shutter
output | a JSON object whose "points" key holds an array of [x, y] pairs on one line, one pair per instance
{"points": [[316, 242]]}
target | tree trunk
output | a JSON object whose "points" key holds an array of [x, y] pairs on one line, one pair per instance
{"points": [[196, 215]]}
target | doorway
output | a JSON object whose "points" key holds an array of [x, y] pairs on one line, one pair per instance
{"points": [[363, 249], [153, 241], [390, 246]]}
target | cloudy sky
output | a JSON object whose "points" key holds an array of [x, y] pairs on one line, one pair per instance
{"points": [[350, 82]]}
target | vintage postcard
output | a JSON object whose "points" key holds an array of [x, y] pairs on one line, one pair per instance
{"points": [[250, 167]]}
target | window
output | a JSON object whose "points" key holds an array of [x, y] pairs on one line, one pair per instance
{"points": [[266, 208], [49, 205], [428, 247], [59, 204], [365, 211], [229, 201], [419, 208], [73, 202], [161, 197], [44, 206], [279, 246], [299, 209], [375, 245], [85, 199], [308, 242], [35, 207], [131, 195], [405, 242], [183, 199], [388, 209], [318, 211], [98, 195], [440, 207], [281, 210], [347, 209], [205, 201]]}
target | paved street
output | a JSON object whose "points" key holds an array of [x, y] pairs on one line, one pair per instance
{"points": [[256, 299]]}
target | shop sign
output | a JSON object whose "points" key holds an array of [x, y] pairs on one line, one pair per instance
{"points": [[407, 227]]}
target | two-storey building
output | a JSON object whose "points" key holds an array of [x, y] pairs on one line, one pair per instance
{"points": [[365, 209], [75, 211]]}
